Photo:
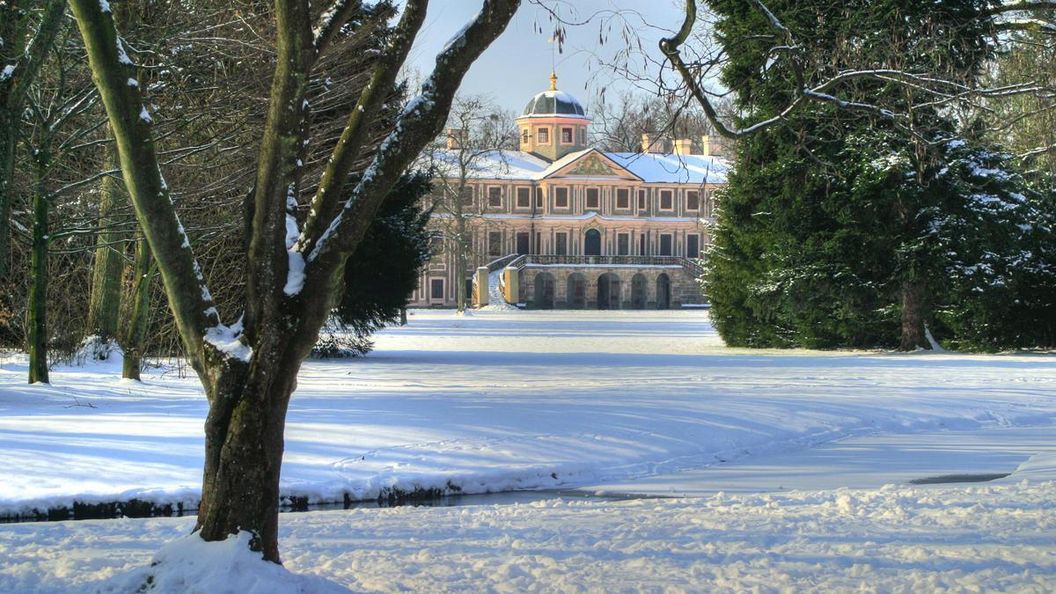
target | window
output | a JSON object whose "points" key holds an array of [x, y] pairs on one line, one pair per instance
{"points": [[522, 243], [582, 135], [623, 198], [623, 244], [494, 196], [665, 245], [524, 197], [593, 201], [539, 198], [642, 194], [494, 243], [561, 244], [641, 244], [666, 200], [436, 289], [560, 197], [566, 135], [592, 243], [524, 135], [542, 135], [467, 195], [693, 246], [692, 200]]}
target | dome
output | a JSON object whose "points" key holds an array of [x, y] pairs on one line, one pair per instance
{"points": [[554, 102]]}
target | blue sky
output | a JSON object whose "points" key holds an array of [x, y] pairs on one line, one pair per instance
{"points": [[518, 64]]}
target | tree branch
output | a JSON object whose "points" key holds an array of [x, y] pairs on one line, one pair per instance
{"points": [[348, 149], [419, 122], [190, 300], [331, 21], [26, 67]]}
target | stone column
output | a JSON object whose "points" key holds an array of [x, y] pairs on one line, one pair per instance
{"points": [[513, 285], [482, 290], [625, 288], [561, 289]]}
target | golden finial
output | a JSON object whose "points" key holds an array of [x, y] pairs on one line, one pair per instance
{"points": [[553, 81]]}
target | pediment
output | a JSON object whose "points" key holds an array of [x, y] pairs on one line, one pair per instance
{"points": [[594, 164]]}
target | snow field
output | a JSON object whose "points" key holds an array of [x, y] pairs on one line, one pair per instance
{"points": [[893, 539], [631, 401], [506, 400]]}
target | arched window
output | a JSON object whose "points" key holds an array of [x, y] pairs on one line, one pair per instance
{"points": [[592, 243], [663, 291]]}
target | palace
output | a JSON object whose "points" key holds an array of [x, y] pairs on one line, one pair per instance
{"points": [[559, 224]]}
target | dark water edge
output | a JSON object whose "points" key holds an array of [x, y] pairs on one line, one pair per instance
{"points": [[959, 478], [135, 508]]}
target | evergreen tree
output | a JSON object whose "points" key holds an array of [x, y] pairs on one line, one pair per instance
{"points": [[837, 229], [384, 270], [999, 250]]}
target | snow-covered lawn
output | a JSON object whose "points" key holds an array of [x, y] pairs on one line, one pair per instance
{"points": [[978, 539], [506, 400], [624, 401]]}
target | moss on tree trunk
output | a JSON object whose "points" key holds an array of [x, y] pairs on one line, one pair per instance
{"points": [[38, 292], [134, 334], [104, 307]]}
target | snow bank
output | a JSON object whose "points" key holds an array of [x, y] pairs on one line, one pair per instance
{"points": [[192, 566]]}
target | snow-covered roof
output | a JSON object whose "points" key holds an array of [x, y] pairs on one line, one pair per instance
{"points": [[675, 169], [649, 167], [493, 165]]}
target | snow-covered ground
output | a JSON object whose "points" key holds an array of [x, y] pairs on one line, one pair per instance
{"points": [[622, 401], [897, 539], [506, 400]]}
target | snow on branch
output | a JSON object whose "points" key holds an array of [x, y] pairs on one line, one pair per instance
{"points": [[419, 122], [332, 20], [189, 297], [944, 90]]}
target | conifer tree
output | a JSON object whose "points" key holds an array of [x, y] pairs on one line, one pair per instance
{"points": [[383, 272], [827, 235]]}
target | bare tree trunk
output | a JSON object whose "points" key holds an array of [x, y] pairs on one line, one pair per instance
{"points": [[104, 307], [38, 292], [135, 332], [19, 64], [8, 134], [913, 336], [460, 265], [243, 452]]}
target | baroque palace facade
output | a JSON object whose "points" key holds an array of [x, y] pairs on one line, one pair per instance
{"points": [[562, 225]]}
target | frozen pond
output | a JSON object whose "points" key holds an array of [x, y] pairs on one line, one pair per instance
{"points": [[868, 462]]}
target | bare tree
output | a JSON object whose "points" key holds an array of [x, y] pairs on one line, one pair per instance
{"points": [[618, 126], [477, 134], [27, 30], [249, 367]]}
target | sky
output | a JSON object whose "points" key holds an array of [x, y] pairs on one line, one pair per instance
{"points": [[518, 63]]}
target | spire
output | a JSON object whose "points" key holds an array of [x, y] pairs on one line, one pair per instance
{"points": [[553, 81]]}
